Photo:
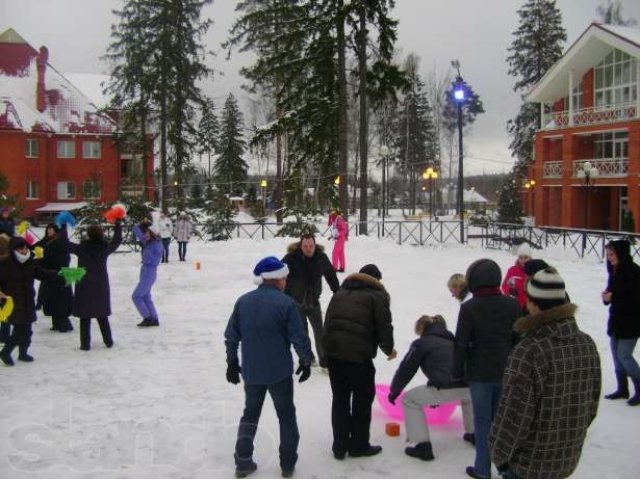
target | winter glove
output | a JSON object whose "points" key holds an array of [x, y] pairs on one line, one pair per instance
{"points": [[304, 371], [392, 398], [233, 373]]}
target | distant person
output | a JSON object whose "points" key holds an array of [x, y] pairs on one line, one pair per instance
{"points": [[513, 284], [340, 236], [183, 232], [623, 297], [484, 338], [55, 295], [358, 322], [5, 251], [166, 231], [152, 251], [307, 264], [432, 352], [7, 223], [550, 389], [264, 324], [92, 298]]}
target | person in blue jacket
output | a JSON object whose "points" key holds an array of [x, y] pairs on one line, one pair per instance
{"points": [[152, 251], [264, 323]]}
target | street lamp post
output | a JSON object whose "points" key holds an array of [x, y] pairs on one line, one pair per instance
{"points": [[588, 173], [263, 185], [430, 174], [459, 95], [530, 185], [385, 153]]}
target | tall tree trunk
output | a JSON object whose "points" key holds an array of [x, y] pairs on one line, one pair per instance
{"points": [[362, 92], [343, 146], [144, 147], [163, 144]]}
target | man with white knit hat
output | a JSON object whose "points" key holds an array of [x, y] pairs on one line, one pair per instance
{"points": [[264, 324], [551, 387]]}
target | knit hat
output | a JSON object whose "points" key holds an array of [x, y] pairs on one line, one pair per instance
{"points": [[269, 268], [534, 265], [372, 270], [546, 288], [483, 273], [155, 223], [524, 250]]}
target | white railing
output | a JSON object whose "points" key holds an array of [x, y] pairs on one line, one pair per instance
{"points": [[607, 167], [590, 116], [552, 170]]}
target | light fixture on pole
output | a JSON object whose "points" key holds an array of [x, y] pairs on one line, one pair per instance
{"points": [[263, 185], [530, 185], [588, 173], [385, 153], [430, 174], [460, 97]]}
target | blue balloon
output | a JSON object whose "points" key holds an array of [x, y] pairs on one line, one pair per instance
{"points": [[66, 218]]}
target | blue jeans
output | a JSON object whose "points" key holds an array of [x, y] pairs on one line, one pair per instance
{"points": [[623, 361], [282, 396], [485, 397]]}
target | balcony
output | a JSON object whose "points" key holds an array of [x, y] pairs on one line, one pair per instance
{"points": [[590, 116], [607, 168]]}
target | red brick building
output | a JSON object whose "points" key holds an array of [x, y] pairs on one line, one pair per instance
{"points": [[590, 101], [56, 149]]}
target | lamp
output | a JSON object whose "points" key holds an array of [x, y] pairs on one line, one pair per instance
{"points": [[263, 185], [530, 185], [587, 173], [430, 174], [460, 97]]}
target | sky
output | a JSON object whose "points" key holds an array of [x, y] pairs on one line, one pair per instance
{"points": [[477, 33], [157, 405]]}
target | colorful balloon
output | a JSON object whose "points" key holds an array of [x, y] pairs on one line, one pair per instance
{"points": [[435, 415]]}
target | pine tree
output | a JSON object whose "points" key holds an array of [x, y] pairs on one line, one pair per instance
{"points": [[208, 132], [536, 47], [157, 59], [610, 13], [230, 168], [509, 204]]}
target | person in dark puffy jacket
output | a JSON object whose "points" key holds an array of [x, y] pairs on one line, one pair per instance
{"points": [[432, 352], [307, 264], [92, 297], [54, 295], [623, 297], [357, 323], [484, 338]]}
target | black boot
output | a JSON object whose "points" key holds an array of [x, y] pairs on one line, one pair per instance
{"points": [[85, 334], [105, 329], [145, 322], [422, 451], [635, 400], [370, 451], [623, 387], [23, 356], [5, 356]]}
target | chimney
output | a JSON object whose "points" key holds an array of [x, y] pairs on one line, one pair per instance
{"points": [[41, 62]]}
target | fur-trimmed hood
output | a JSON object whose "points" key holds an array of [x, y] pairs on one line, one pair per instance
{"points": [[545, 317], [362, 280], [296, 246]]}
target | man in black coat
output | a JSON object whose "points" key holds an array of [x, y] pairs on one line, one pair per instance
{"points": [[7, 224], [358, 322], [307, 264]]}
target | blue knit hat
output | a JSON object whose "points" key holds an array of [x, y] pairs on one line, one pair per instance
{"points": [[269, 268]]}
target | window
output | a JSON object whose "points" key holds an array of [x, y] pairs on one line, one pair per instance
{"points": [[31, 148], [615, 80], [92, 189], [66, 149], [32, 190], [91, 150], [612, 145], [66, 190]]}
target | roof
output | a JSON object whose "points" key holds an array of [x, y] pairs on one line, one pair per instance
{"points": [[63, 107], [60, 206], [585, 53]]}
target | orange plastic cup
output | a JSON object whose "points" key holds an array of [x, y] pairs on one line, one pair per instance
{"points": [[392, 429], [197, 265]]}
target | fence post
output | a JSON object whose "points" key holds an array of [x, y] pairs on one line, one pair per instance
{"points": [[421, 241], [400, 233]]}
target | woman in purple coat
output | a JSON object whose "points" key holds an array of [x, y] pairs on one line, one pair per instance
{"points": [[152, 251], [92, 297]]}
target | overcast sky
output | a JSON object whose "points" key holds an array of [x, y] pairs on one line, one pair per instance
{"points": [[476, 32]]}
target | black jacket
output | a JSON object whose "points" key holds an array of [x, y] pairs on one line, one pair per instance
{"points": [[55, 295], [358, 320], [624, 285], [304, 283], [16, 281], [433, 354], [484, 334]]}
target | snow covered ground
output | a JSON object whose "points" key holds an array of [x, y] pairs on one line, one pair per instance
{"points": [[157, 403]]}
